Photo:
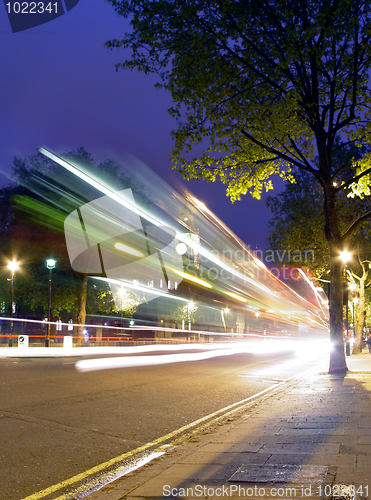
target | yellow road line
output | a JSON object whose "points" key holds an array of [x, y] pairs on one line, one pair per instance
{"points": [[103, 481], [213, 417]]}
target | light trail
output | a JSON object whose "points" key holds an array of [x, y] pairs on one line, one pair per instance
{"points": [[235, 296], [108, 350], [189, 277], [231, 277], [135, 361], [140, 288], [103, 188], [267, 347], [129, 250]]}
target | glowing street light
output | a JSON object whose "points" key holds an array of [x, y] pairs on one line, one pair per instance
{"points": [[13, 266], [50, 264], [191, 307], [223, 312], [345, 256], [181, 248]]}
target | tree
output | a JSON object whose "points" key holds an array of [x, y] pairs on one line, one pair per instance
{"points": [[260, 87], [296, 238], [127, 302], [186, 313], [298, 219], [358, 278]]}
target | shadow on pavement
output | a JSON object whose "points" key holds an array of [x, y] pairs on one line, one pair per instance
{"points": [[306, 438]]}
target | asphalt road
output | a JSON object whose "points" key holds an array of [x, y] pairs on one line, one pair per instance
{"points": [[56, 422]]}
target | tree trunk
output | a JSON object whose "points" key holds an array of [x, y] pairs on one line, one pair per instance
{"points": [[337, 354], [81, 317], [335, 243]]}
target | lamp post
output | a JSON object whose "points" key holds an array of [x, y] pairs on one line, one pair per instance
{"points": [[223, 312], [12, 266], [50, 264], [257, 314], [190, 309]]}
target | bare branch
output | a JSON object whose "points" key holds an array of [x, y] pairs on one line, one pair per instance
{"points": [[355, 224]]}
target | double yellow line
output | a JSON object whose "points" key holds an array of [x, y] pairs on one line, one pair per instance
{"points": [[177, 436]]}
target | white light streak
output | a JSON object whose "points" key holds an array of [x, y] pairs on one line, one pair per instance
{"points": [[88, 365], [189, 277], [142, 213], [129, 250], [140, 288], [237, 297], [183, 238]]}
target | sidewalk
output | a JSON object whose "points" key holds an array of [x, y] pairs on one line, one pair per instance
{"points": [[310, 439]]}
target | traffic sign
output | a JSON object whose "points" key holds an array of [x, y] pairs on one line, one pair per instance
{"points": [[22, 340]]}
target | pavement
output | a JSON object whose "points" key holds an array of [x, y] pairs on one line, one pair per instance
{"points": [[308, 438]]}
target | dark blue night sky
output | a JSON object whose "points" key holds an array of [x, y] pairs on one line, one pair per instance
{"points": [[60, 89]]}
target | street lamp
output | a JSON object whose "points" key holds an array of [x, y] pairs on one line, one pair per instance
{"points": [[13, 267], [50, 264], [224, 311], [190, 308], [345, 256], [355, 302]]}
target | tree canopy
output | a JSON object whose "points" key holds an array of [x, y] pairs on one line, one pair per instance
{"points": [[262, 82]]}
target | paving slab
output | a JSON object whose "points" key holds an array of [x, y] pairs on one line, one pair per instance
{"points": [[235, 448], [301, 447], [279, 473], [335, 460]]}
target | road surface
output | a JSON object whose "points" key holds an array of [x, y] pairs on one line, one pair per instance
{"points": [[57, 422]]}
